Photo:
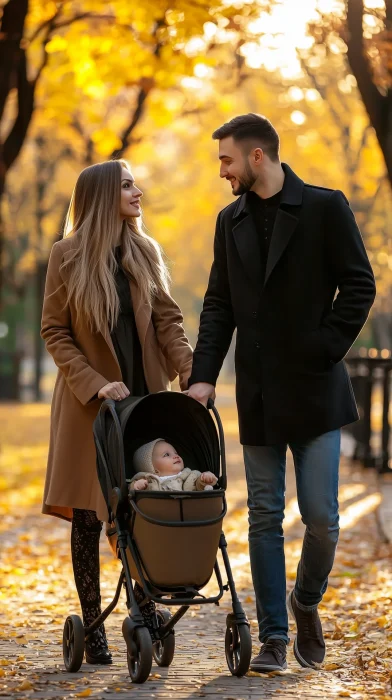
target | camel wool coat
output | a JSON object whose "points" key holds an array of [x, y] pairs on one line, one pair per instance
{"points": [[86, 362]]}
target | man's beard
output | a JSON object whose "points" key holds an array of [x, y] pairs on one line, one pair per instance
{"points": [[246, 181]]}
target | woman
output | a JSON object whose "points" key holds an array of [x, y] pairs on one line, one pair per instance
{"points": [[113, 330]]}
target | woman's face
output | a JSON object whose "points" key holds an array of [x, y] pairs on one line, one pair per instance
{"points": [[130, 196]]}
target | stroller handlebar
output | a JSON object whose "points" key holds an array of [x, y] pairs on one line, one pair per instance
{"points": [[211, 407]]}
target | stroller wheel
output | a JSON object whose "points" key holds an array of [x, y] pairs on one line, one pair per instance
{"points": [[139, 651], [73, 643], [163, 651], [238, 648]]}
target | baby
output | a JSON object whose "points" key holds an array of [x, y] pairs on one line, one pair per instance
{"points": [[160, 468]]}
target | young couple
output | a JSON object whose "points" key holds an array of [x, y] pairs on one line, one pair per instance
{"points": [[291, 275]]}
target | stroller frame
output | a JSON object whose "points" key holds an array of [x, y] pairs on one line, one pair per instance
{"points": [[140, 646]]}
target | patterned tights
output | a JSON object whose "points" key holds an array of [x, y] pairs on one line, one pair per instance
{"points": [[85, 534]]}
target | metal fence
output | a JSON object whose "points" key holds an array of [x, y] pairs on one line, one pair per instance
{"points": [[371, 376]]}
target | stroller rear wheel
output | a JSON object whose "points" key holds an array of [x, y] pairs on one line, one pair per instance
{"points": [[163, 650], [73, 643], [238, 648], [139, 651]]}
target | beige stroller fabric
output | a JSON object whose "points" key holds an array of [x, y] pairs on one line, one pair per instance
{"points": [[176, 556]]}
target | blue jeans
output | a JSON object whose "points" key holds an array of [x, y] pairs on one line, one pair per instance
{"points": [[316, 464]]}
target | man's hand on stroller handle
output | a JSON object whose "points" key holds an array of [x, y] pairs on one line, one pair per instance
{"points": [[201, 391]]}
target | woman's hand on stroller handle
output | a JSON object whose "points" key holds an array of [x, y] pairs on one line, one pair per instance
{"points": [[114, 390]]}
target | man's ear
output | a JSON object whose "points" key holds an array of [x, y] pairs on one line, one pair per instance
{"points": [[258, 155]]}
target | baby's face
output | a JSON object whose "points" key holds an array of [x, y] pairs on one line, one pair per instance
{"points": [[166, 460]]}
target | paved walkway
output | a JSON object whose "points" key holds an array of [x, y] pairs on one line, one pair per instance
{"points": [[37, 594]]}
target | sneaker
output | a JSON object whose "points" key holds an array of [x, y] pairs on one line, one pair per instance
{"points": [[272, 657], [309, 645]]}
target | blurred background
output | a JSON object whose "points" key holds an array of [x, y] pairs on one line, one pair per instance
{"points": [[85, 81]]}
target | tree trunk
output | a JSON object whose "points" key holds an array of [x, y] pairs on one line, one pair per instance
{"points": [[40, 277], [13, 76], [377, 105]]}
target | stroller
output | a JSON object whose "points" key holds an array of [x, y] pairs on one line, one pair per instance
{"points": [[167, 541]]}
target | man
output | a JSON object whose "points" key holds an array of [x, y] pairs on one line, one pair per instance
{"points": [[291, 274]]}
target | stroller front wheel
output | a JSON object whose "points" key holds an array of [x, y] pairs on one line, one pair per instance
{"points": [[73, 643], [163, 650], [139, 652], [238, 648]]}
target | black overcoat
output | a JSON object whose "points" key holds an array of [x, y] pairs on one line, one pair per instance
{"points": [[294, 327]]}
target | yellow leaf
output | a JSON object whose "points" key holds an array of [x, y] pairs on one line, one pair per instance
{"points": [[330, 667], [84, 693], [21, 640], [382, 621], [2, 673], [58, 43], [26, 685]]}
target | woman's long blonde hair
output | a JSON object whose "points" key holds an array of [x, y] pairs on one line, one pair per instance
{"points": [[93, 218]]}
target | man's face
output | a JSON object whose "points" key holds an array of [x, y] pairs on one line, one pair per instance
{"points": [[235, 166]]}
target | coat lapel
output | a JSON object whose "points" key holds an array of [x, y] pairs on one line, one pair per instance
{"points": [[245, 234], [284, 227], [107, 337], [248, 246], [286, 219]]}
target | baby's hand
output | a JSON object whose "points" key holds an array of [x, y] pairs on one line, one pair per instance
{"points": [[209, 478], [140, 485]]}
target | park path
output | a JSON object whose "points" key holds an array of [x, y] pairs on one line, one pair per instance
{"points": [[36, 592]]}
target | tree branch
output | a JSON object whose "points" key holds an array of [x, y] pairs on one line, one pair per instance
{"points": [[388, 14], [344, 130], [144, 91], [67, 22], [15, 138], [137, 115], [11, 33], [359, 63], [356, 160]]}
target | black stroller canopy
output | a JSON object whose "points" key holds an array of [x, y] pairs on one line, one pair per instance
{"points": [[173, 416]]}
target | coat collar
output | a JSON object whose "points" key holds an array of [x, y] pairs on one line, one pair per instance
{"points": [[245, 234], [291, 192]]}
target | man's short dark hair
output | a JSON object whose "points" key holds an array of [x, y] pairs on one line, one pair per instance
{"points": [[253, 128]]}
